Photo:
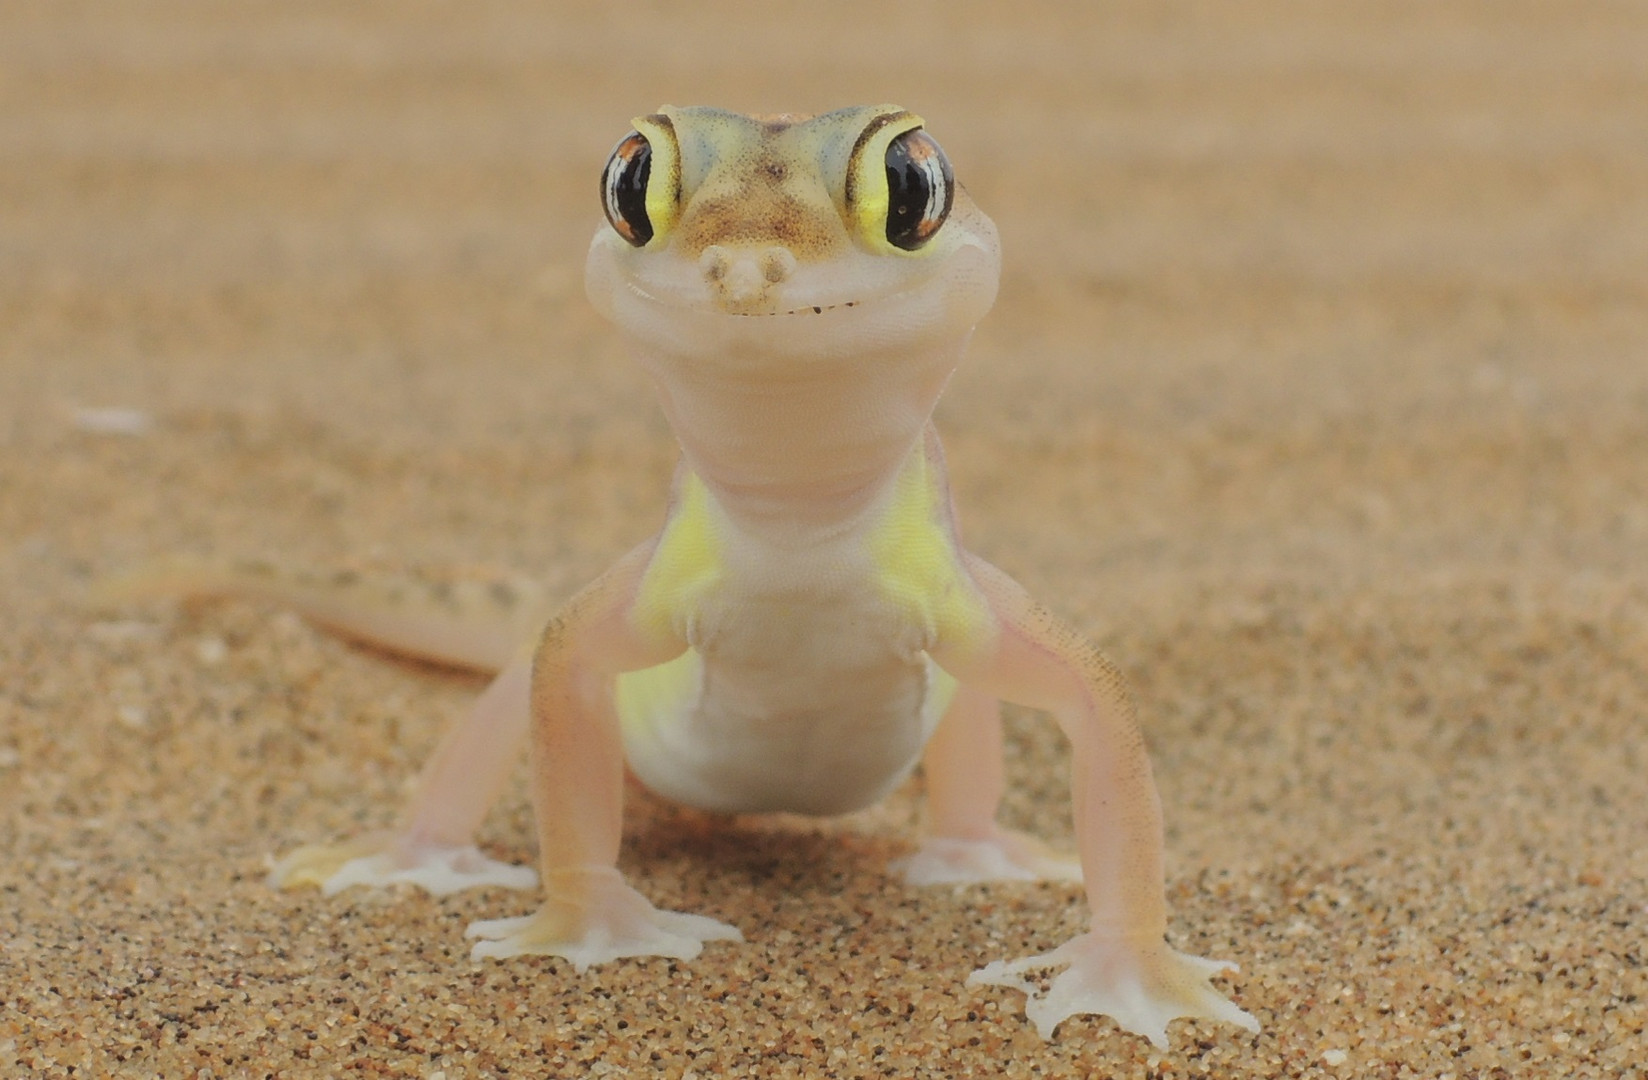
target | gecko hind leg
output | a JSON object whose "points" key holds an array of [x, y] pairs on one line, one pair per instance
{"points": [[379, 862], [963, 764], [433, 847]]}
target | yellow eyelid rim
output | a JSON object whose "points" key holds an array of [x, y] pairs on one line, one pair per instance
{"points": [[868, 199], [664, 183]]}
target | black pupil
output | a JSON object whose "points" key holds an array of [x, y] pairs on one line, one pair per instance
{"points": [[919, 190], [624, 189]]}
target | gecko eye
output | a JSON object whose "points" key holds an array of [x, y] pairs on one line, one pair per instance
{"points": [[624, 188], [920, 189]]}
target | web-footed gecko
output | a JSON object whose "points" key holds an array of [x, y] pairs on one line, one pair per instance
{"points": [[806, 627]]}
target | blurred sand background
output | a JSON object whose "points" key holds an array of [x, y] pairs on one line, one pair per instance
{"points": [[1315, 392]]}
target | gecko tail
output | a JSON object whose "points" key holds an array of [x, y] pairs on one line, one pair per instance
{"points": [[468, 623], [177, 578]]}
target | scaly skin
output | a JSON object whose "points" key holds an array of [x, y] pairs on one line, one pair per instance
{"points": [[807, 624]]}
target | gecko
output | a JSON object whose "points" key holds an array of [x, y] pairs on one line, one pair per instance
{"points": [[806, 628]]}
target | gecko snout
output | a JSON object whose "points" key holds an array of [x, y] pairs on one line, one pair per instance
{"points": [[743, 280]]}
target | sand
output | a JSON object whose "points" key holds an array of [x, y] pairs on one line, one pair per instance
{"points": [[1315, 393]]}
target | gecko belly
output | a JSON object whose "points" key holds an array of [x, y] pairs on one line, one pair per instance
{"points": [[726, 738]]}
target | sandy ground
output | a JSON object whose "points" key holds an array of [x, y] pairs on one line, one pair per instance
{"points": [[1315, 392]]}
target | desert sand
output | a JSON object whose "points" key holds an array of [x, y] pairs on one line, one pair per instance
{"points": [[1315, 392]]}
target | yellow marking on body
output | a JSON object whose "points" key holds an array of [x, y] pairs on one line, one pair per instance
{"points": [[941, 690], [917, 564], [651, 695], [685, 566]]}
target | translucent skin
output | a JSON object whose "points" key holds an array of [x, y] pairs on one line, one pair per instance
{"points": [[808, 613]]}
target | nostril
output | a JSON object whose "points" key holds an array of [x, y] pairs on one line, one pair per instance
{"points": [[777, 264], [714, 262]]}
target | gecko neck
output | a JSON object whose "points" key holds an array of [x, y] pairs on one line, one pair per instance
{"points": [[799, 516], [802, 448]]}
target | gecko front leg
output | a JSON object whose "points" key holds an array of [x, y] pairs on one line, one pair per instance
{"points": [[589, 914], [1122, 966]]}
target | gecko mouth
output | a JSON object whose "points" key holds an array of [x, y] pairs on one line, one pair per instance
{"points": [[887, 292], [816, 309], [714, 308], [881, 296]]}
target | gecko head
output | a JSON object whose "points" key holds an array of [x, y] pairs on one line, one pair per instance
{"points": [[788, 229]]}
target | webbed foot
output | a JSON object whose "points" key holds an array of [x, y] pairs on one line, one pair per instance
{"points": [[1141, 985], [1007, 856], [381, 861], [592, 917]]}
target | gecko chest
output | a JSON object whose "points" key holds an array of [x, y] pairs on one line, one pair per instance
{"points": [[807, 684], [799, 700]]}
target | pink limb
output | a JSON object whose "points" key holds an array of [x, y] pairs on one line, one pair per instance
{"points": [[1122, 967], [433, 846], [965, 781], [589, 914]]}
